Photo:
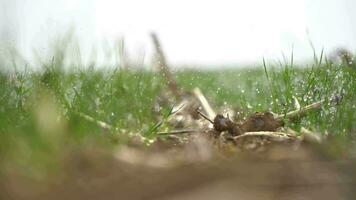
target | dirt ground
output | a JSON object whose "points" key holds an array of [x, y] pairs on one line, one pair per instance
{"points": [[193, 173]]}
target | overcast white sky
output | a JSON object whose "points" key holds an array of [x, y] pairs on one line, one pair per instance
{"points": [[192, 31]]}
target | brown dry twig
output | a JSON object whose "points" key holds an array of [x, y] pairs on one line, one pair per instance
{"points": [[204, 116]]}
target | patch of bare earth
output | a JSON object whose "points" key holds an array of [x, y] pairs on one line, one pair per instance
{"points": [[197, 170]]}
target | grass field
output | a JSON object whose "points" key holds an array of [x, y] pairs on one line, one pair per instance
{"points": [[39, 118]]}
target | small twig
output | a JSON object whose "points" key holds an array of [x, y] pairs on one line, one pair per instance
{"points": [[178, 132], [204, 103], [204, 116]]}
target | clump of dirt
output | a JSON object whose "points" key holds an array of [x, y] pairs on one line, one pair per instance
{"points": [[264, 121], [257, 122], [222, 123]]}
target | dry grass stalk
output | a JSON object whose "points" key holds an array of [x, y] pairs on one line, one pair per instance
{"points": [[176, 132], [99, 123], [204, 103], [122, 53], [164, 69], [275, 136], [296, 114]]}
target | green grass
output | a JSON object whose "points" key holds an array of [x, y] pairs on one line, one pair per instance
{"points": [[39, 109]]}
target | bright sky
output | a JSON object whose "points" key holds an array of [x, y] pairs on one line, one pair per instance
{"points": [[192, 32]]}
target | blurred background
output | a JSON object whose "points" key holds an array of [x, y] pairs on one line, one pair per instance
{"points": [[195, 33]]}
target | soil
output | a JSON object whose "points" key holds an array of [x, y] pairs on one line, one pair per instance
{"points": [[280, 173]]}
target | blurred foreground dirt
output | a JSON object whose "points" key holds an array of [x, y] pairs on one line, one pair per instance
{"points": [[192, 172]]}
